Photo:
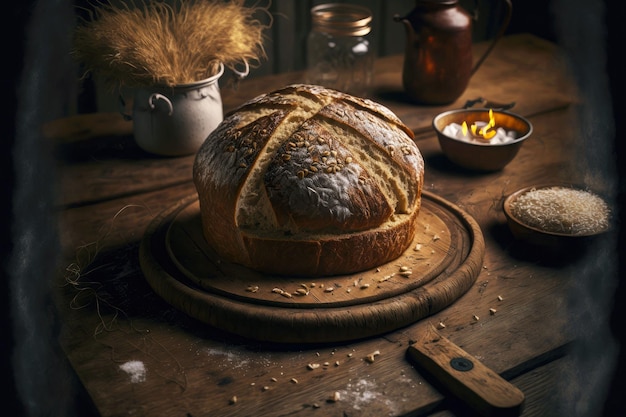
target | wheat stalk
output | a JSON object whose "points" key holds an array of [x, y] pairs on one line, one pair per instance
{"points": [[156, 43]]}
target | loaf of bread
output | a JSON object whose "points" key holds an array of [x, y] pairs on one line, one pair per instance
{"points": [[308, 181]]}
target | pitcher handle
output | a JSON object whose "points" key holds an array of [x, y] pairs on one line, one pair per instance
{"points": [[505, 24], [156, 96], [242, 74]]}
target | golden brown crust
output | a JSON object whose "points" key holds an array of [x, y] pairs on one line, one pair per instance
{"points": [[220, 171], [334, 255], [309, 181]]}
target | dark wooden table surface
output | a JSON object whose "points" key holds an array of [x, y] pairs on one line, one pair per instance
{"points": [[138, 356]]}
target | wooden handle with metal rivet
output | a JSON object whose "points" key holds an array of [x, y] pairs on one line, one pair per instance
{"points": [[465, 377]]}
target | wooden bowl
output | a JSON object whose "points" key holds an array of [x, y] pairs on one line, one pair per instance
{"points": [[544, 238], [481, 156]]}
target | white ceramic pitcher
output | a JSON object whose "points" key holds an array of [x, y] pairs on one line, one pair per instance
{"points": [[175, 121]]}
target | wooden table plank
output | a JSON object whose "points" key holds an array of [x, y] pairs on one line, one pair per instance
{"points": [[544, 394], [111, 317], [192, 368]]}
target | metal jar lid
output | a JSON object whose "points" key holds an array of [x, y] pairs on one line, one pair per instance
{"points": [[341, 19]]}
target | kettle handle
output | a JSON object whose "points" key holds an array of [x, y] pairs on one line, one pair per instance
{"points": [[503, 27]]}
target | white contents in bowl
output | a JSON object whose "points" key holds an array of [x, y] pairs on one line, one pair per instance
{"points": [[455, 130], [562, 210]]}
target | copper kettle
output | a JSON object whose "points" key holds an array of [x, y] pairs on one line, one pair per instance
{"points": [[438, 61]]}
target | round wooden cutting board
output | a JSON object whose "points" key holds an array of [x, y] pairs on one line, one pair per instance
{"points": [[440, 266]]}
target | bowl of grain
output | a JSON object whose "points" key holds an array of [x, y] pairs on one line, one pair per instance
{"points": [[504, 134], [554, 215]]}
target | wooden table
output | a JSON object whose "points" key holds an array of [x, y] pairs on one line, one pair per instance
{"points": [[115, 326]]}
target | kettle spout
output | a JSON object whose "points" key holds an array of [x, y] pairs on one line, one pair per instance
{"points": [[411, 35]]}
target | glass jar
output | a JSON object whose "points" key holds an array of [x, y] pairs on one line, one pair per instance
{"points": [[339, 51]]}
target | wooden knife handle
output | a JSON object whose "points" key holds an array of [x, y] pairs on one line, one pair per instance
{"points": [[465, 377]]}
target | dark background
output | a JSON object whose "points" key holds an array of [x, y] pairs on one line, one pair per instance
{"points": [[51, 390]]}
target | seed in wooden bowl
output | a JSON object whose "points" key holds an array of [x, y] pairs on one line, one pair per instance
{"points": [[560, 209]]}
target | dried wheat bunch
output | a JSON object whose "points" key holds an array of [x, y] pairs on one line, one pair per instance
{"points": [[156, 43]]}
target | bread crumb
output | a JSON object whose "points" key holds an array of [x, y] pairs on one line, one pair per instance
{"points": [[372, 356], [336, 396]]}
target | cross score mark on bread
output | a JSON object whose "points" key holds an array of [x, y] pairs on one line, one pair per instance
{"points": [[309, 181]]}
